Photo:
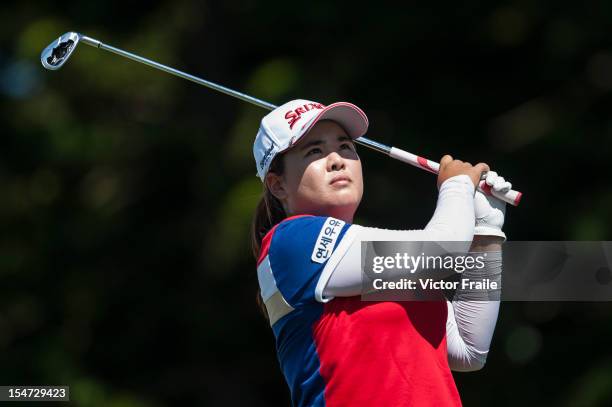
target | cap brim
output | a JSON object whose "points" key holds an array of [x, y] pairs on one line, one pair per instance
{"points": [[352, 119]]}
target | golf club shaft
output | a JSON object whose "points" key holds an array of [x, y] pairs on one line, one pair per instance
{"points": [[512, 197], [176, 72]]}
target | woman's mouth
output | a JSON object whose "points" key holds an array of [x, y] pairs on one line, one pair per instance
{"points": [[340, 179]]}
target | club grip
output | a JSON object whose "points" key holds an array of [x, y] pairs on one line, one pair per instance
{"points": [[512, 197]]}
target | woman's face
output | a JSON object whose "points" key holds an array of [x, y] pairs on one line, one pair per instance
{"points": [[322, 174]]}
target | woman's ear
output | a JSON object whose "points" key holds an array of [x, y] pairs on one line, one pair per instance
{"points": [[276, 186]]}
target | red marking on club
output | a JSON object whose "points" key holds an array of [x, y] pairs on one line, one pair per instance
{"points": [[486, 188], [518, 198], [423, 163]]}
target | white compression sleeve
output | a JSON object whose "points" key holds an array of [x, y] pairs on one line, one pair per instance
{"points": [[453, 220], [470, 323]]}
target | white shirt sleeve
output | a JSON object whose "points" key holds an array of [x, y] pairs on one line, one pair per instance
{"points": [[453, 220], [471, 320], [469, 330]]}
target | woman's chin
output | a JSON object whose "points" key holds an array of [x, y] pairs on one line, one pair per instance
{"points": [[343, 205], [347, 196]]}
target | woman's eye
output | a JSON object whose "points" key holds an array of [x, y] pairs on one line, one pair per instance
{"points": [[312, 151]]}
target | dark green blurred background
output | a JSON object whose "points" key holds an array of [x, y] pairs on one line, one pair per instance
{"points": [[126, 193]]}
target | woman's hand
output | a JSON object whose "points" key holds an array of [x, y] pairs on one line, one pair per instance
{"points": [[449, 168], [490, 211]]}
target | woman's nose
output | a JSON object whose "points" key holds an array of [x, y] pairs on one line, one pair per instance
{"points": [[335, 162]]}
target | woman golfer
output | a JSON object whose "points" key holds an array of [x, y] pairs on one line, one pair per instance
{"points": [[335, 349]]}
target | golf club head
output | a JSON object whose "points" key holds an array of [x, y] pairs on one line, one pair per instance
{"points": [[57, 53]]}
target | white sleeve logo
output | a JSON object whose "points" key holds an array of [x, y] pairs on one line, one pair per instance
{"points": [[326, 240]]}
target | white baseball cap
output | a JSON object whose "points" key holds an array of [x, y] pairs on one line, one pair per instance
{"points": [[284, 126]]}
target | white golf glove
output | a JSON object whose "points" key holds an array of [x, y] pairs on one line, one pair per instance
{"points": [[490, 211]]}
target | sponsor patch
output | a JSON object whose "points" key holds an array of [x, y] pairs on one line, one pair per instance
{"points": [[266, 157], [326, 240]]}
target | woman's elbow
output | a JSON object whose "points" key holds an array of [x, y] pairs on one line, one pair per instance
{"points": [[475, 366], [468, 365], [445, 233]]}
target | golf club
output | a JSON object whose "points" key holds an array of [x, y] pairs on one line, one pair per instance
{"points": [[55, 55]]}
